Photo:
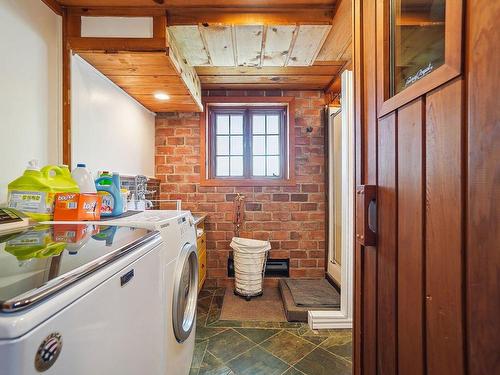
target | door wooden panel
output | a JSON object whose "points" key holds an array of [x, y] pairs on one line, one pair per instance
{"points": [[483, 188], [443, 233], [386, 246], [427, 296], [410, 239]]}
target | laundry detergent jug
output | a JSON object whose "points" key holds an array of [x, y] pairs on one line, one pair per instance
{"points": [[32, 194], [109, 189], [59, 178]]}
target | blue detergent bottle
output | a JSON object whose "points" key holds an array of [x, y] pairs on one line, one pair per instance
{"points": [[108, 187]]}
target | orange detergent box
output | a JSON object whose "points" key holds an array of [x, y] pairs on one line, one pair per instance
{"points": [[74, 233], [74, 206]]}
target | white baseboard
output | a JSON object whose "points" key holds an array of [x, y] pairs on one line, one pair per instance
{"points": [[328, 320]]}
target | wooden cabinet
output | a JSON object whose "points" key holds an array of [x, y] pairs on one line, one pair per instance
{"points": [[201, 243]]}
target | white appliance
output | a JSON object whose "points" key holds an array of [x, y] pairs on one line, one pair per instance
{"points": [[180, 270], [178, 232], [81, 299]]}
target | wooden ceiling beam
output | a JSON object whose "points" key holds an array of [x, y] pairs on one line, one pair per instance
{"points": [[104, 11], [162, 4], [269, 71], [249, 16], [55, 6]]}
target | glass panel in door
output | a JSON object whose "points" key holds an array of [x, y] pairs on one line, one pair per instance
{"points": [[417, 40]]}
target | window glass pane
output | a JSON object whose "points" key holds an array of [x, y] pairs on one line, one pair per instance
{"points": [[273, 145], [259, 165], [236, 166], [236, 124], [273, 124], [222, 166], [222, 145], [222, 122], [273, 166], [259, 124], [237, 145], [417, 40], [259, 145]]}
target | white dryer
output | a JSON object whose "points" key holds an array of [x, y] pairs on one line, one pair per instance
{"points": [[180, 262]]}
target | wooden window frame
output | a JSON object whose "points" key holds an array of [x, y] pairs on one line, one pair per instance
{"points": [[248, 104], [451, 68]]}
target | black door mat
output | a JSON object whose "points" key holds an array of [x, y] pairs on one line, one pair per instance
{"points": [[293, 312]]}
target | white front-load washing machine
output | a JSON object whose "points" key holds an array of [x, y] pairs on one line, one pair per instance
{"points": [[180, 260]]}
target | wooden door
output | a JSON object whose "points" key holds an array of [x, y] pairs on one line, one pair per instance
{"points": [[427, 295]]}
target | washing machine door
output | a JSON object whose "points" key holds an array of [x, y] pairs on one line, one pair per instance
{"points": [[185, 292]]}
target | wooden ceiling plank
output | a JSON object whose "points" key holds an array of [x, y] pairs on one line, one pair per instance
{"points": [[264, 86], [189, 41], [292, 44], [307, 43], [263, 45], [55, 6], [135, 64], [220, 44], [325, 4], [324, 80], [248, 42], [330, 70], [205, 45], [340, 35], [116, 44], [249, 16], [115, 11], [277, 44]]}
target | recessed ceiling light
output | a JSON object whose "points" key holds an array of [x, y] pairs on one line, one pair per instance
{"points": [[161, 96]]}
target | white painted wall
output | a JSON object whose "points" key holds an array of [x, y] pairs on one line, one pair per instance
{"points": [[30, 87], [109, 129], [117, 27]]}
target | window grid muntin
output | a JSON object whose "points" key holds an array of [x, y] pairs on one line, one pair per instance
{"points": [[266, 136], [280, 112], [230, 155]]}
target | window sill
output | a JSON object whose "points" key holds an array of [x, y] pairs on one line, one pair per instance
{"points": [[246, 182]]}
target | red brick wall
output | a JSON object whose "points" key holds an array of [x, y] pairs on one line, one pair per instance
{"points": [[292, 218]]}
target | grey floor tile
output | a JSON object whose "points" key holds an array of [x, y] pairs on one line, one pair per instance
{"points": [[213, 366], [339, 343], [264, 348], [228, 344], [288, 347], [321, 362], [227, 323], [204, 333], [257, 335], [293, 371], [199, 352], [257, 361]]}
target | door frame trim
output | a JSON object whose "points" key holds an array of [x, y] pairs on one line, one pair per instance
{"points": [[343, 319]]}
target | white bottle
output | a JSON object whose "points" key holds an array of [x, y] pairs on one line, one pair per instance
{"points": [[84, 179]]}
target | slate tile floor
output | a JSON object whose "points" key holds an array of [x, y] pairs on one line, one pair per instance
{"points": [[264, 348]]}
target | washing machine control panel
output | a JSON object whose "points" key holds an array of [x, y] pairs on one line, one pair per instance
{"points": [[186, 224]]}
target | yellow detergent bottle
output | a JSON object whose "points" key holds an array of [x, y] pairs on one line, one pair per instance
{"points": [[33, 193], [59, 178]]}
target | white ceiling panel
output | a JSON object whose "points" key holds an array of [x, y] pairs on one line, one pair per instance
{"points": [[189, 42], [219, 41], [248, 44], [277, 45], [309, 40]]}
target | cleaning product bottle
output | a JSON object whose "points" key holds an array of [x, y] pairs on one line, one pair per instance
{"points": [[59, 179], [109, 188], [106, 174], [84, 179], [32, 194]]}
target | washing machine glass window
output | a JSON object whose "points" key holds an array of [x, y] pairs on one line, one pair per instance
{"points": [[185, 292]]}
